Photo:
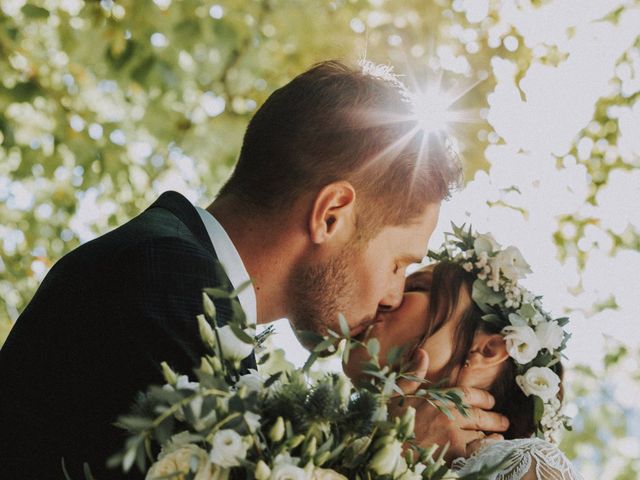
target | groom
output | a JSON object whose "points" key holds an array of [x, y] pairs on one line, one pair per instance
{"points": [[334, 194]]}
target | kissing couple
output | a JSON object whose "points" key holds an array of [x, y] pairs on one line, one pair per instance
{"points": [[335, 194]]}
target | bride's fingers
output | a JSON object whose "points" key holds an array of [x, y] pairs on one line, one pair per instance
{"points": [[419, 367], [479, 443], [475, 397], [483, 420]]}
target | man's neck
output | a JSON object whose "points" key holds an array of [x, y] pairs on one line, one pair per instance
{"points": [[264, 253]]}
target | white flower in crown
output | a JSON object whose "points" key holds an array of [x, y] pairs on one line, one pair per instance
{"points": [[228, 448], [522, 343], [511, 263], [550, 335], [485, 244], [232, 347], [541, 382]]}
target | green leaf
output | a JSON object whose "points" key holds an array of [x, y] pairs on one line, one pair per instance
{"points": [[216, 293], [35, 12], [389, 384], [517, 321], [164, 430], [373, 347], [484, 296], [134, 423], [394, 354], [241, 334], [142, 71], [238, 313], [538, 409], [64, 469], [310, 361], [527, 311], [243, 286], [272, 379], [345, 354], [344, 326], [323, 345], [129, 458], [309, 337], [492, 318]]}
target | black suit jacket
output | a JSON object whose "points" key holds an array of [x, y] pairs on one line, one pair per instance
{"points": [[95, 333]]}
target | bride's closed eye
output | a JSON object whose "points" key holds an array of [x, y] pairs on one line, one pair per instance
{"points": [[416, 285]]}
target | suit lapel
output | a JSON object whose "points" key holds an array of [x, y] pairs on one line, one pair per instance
{"points": [[184, 210]]}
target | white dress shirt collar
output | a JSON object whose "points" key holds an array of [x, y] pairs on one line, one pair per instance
{"points": [[230, 259]]}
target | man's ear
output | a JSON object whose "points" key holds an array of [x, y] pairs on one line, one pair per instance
{"points": [[333, 212], [488, 350]]}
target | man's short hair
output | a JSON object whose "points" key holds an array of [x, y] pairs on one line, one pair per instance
{"points": [[334, 122]]}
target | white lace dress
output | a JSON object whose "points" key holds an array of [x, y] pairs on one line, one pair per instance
{"points": [[527, 458]]}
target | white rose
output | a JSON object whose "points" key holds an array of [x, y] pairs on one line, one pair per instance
{"points": [[210, 471], [252, 420], [412, 475], [184, 383], [550, 335], [539, 381], [232, 347], [285, 471], [253, 381], [227, 448], [485, 243], [522, 343], [512, 263], [401, 466], [177, 462], [327, 474], [384, 461]]}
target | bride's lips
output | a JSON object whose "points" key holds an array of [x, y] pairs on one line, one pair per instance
{"points": [[361, 331]]}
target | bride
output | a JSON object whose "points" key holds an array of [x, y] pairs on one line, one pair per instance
{"points": [[481, 329]]}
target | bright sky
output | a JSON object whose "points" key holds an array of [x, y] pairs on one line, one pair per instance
{"points": [[538, 120]]}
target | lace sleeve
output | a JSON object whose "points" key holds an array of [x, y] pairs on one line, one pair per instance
{"points": [[525, 459]]}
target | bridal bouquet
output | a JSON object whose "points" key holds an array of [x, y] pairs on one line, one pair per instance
{"points": [[227, 423]]}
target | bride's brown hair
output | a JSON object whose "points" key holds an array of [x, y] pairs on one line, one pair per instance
{"points": [[444, 281]]}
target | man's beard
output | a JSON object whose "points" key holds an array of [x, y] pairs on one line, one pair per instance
{"points": [[318, 293]]}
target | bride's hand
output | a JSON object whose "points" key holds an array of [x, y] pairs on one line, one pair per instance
{"points": [[434, 427]]}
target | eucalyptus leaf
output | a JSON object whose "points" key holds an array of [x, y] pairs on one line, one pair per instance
{"points": [[344, 326], [373, 347], [485, 296]]}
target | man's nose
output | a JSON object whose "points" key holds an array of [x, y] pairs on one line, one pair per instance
{"points": [[393, 298]]}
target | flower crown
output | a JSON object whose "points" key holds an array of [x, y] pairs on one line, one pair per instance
{"points": [[534, 339]]}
